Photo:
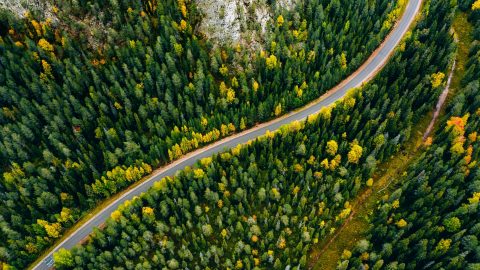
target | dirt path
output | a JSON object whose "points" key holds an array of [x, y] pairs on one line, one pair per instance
{"points": [[441, 101], [329, 251]]}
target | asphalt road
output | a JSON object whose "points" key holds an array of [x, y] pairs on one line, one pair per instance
{"points": [[362, 75]]}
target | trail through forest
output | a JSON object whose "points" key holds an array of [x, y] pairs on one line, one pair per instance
{"points": [[329, 252], [441, 101]]}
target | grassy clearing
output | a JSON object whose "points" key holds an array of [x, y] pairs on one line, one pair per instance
{"points": [[328, 252], [463, 33]]}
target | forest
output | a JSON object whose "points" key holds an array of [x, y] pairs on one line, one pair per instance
{"points": [[265, 204], [432, 221], [99, 93]]}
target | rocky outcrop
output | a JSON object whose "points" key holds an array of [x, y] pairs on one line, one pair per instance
{"points": [[243, 22]]}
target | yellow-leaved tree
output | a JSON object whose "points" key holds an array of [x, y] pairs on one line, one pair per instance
{"points": [[63, 258], [45, 45], [183, 7], [476, 5], [280, 20], [255, 86], [355, 153], [436, 79], [147, 211], [343, 61], [278, 109], [116, 215], [53, 230], [457, 128], [332, 147], [271, 62], [198, 173]]}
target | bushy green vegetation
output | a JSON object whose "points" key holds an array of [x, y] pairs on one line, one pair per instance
{"points": [[95, 96], [265, 204], [432, 221]]}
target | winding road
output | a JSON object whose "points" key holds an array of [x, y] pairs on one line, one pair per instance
{"points": [[371, 67]]}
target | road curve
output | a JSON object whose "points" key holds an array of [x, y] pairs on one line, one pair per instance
{"points": [[376, 61]]}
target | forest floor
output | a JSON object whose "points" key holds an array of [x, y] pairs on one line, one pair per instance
{"points": [[462, 29], [328, 252]]}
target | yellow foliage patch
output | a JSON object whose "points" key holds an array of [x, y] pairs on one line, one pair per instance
{"points": [[437, 79], [332, 147], [148, 211], [280, 20], [278, 109], [271, 62], [476, 5], [355, 154], [45, 45], [401, 223], [198, 173], [116, 215], [475, 198]]}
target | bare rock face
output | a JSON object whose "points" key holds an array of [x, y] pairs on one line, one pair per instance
{"points": [[243, 22], [21, 7]]}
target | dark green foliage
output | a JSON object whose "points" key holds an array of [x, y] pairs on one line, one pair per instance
{"points": [[118, 83], [277, 188], [440, 196]]}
